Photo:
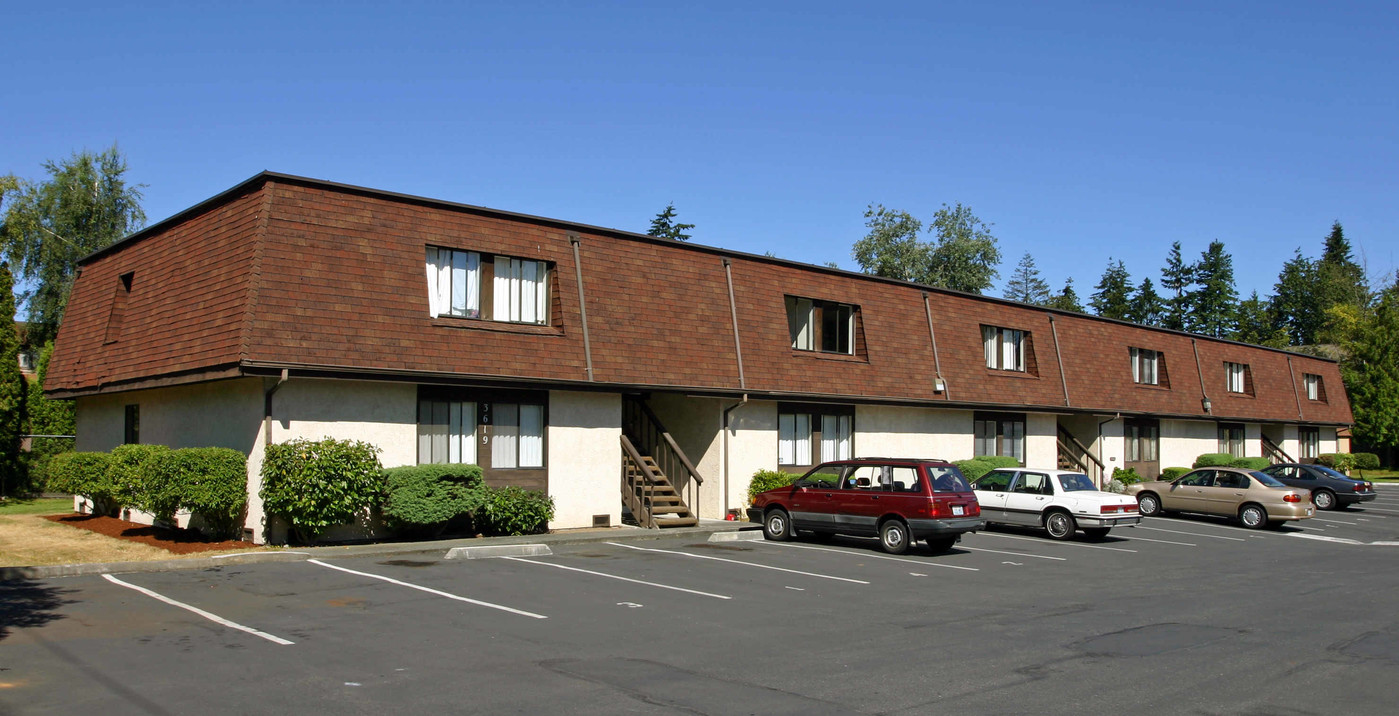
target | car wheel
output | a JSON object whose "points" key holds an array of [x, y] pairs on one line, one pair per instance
{"points": [[1253, 517], [893, 536], [1149, 505], [777, 526], [1060, 525], [941, 544], [1324, 499], [1096, 533]]}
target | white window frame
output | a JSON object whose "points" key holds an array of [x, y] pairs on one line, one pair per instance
{"points": [[1145, 364], [520, 291], [1227, 443], [1234, 377], [1313, 384], [1003, 348]]}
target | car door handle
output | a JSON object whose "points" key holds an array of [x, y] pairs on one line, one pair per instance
{"points": [[874, 497]]}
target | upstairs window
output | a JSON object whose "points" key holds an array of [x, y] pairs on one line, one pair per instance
{"points": [[1237, 379], [1004, 348], [1316, 390], [823, 326], [1144, 366], [465, 284]]}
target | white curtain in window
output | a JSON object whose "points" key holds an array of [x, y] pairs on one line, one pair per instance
{"points": [[1136, 365], [501, 289], [835, 437], [432, 290], [505, 444], [985, 438], [1149, 367], [800, 315], [793, 439], [1013, 439], [529, 301], [531, 436], [988, 344], [1010, 350]]}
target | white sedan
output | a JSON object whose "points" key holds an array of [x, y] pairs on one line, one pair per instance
{"points": [[1056, 501]]}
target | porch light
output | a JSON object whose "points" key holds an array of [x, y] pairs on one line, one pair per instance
{"points": [[1206, 404]]}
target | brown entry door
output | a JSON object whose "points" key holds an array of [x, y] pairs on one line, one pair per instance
{"points": [[1143, 452]]}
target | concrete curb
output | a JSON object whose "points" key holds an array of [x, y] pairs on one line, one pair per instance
{"points": [[743, 536], [500, 550], [422, 550]]}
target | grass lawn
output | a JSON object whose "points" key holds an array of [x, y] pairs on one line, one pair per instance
{"points": [[37, 506]]}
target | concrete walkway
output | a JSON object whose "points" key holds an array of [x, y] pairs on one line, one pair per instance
{"points": [[426, 549]]}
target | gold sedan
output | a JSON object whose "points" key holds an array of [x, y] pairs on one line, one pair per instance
{"points": [[1254, 497]]}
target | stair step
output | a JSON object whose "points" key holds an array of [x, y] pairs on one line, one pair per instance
{"points": [[670, 509], [676, 522]]}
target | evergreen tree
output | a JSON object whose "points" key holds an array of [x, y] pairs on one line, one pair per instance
{"points": [[1214, 303], [892, 248], [1067, 299], [13, 393], [664, 226], [46, 417], [1146, 306], [1295, 305], [1025, 284], [1256, 324], [84, 206], [1113, 297], [1340, 279], [1371, 373], [1176, 278]]}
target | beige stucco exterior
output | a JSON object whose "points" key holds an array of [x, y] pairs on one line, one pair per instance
{"points": [[584, 457], [696, 424], [889, 431], [1184, 440]]}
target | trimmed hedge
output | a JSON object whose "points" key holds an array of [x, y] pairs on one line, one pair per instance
{"points": [[1250, 463], [1366, 460], [1214, 459], [319, 484], [1338, 461], [138, 484], [424, 498], [1171, 473], [764, 480], [974, 468], [997, 461], [515, 511], [211, 483], [84, 474]]}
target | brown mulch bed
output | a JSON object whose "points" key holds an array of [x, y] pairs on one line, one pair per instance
{"points": [[178, 541]]}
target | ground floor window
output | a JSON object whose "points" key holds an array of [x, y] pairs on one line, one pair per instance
{"points": [[807, 435], [1143, 440], [1000, 434], [494, 429], [1231, 439], [131, 425], [1309, 443]]}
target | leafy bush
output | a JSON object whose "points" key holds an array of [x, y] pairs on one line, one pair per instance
{"points": [[85, 474], [1171, 473], [764, 480], [209, 482], [1339, 461], [515, 511], [320, 484], [974, 468], [424, 498], [1128, 476], [996, 461], [1366, 460], [1250, 463], [1214, 459], [137, 484]]}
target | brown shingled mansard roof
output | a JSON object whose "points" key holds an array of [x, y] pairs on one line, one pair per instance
{"points": [[328, 280]]}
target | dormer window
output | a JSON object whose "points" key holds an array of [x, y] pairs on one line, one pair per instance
{"points": [[823, 326], [466, 284], [1144, 366], [1004, 348], [1237, 378], [1316, 390]]}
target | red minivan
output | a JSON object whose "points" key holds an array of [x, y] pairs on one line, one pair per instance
{"points": [[899, 500]]}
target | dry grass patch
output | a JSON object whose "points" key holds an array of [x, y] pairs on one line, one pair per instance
{"points": [[31, 541]]}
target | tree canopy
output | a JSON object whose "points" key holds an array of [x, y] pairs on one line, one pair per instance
{"points": [[1176, 278], [1025, 284], [891, 248], [1214, 302], [665, 226], [1067, 299], [85, 204], [1113, 297], [964, 257], [1145, 306], [1371, 371]]}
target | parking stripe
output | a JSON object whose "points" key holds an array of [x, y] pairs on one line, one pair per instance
{"points": [[1161, 541], [739, 561], [1061, 544], [1015, 554], [430, 590], [207, 615], [614, 576], [1331, 521], [1192, 534], [871, 554]]}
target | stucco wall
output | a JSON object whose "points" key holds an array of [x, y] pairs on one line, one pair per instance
{"points": [[585, 457], [892, 431], [1041, 446], [1183, 440], [696, 424], [752, 439]]}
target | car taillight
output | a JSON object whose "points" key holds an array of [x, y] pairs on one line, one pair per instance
{"points": [[1360, 487], [1130, 508], [1289, 497], [974, 508], [1107, 509]]}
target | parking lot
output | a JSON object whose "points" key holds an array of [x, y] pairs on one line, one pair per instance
{"points": [[1177, 615]]}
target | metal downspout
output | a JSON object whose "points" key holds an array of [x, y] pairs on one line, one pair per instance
{"points": [[733, 312], [267, 409], [727, 413], [937, 364], [574, 240], [1063, 379], [1199, 372]]}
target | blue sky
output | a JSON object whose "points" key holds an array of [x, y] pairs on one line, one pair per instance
{"points": [[1082, 131]]}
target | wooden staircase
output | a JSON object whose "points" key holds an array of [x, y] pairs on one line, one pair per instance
{"points": [[651, 464], [1074, 455]]}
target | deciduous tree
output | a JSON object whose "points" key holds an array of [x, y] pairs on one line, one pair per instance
{"points": [[1371, 372], [12, 389], [966, 255], [892, 248]]}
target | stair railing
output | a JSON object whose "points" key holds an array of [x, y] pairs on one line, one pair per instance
{"points": [[1077, 453], [649, 437], [636, 478], [1274, 453]]}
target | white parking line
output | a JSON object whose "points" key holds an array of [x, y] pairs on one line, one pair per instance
{"points": [[211, 617], [1193, 523], [613, 576], [429, 590], [873, 555], [738, 561], [1161, 541], [1192, 534], [1338, 522], [1014, 554], [1376, 509], [1062, 544]]}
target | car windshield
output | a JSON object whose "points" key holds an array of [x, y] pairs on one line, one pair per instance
{"points": [[1267, 479], [1330, 473], [947, 479], [1075, 482]]}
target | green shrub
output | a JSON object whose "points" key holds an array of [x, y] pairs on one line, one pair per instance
{"points": [[137, 484], [210, 482], [997, 461], [764, 480], [1339, 461], [1250, 463], [424, 498], [1171, 473], [973, 468], [514, 511], [1214, 459], [320, 484], [1366, 460], [1128, 476], [85, 474]]}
